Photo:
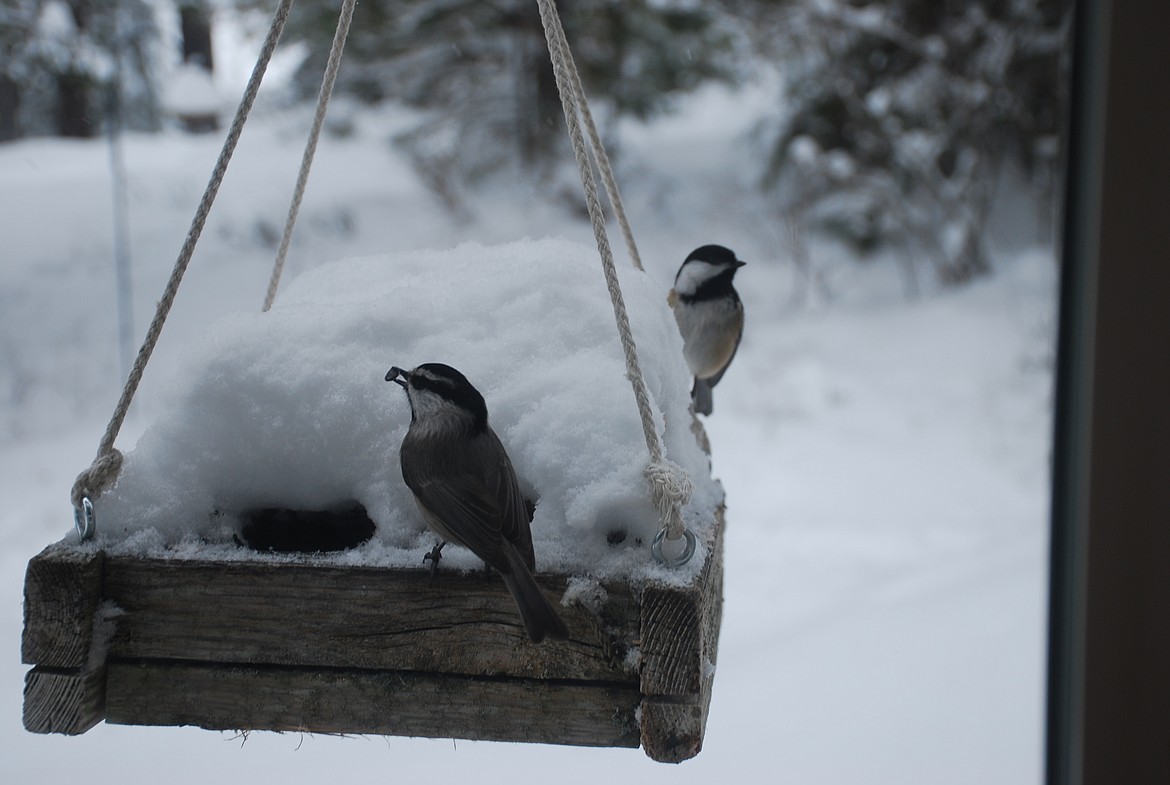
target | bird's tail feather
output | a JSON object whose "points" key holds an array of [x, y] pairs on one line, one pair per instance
{"points": [[541, 620], [701, 396]]}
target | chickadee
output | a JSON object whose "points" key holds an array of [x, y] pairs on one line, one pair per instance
{"points": [[709, 315], [466, 488]]}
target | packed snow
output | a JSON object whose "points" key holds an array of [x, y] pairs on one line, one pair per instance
{"points": [[290, 408], [884, 456]]}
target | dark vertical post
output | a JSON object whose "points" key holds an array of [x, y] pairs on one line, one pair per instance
{"points": [[195, 26], [1109, 677], [9, 108], [76, 115], [1074, 376]]}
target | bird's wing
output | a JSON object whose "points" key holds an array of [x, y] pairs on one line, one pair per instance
{"points": [[515, 523], [478, 508]]}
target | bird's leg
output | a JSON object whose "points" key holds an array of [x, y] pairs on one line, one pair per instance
{"points": [[433, 556]]}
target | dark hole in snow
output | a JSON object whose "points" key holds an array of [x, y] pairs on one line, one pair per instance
{"points": [[616, 536], [306, 531]]}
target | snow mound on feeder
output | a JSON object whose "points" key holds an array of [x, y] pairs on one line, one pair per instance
{"points": [[290, 409]]}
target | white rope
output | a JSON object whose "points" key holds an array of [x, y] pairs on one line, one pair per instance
{"points": [[599, 154], [104, 470], [327, 82], [670, 485]]}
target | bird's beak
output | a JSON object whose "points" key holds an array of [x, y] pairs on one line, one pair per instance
{"points": [[739, 264], [394, 374]]}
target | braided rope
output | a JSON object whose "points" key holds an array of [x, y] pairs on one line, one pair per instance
{"points": [[599, 154], [331, 68], [104, 470], [671, 487]]}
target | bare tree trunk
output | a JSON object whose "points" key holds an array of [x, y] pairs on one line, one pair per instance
{"points": [[195, 22], [9, 109], [969, 263], [75, 115], [538, 109]]}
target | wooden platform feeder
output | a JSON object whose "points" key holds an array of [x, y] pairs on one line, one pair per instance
{"points": [[266, 643]]}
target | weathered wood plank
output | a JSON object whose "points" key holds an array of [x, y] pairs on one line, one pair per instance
{"points": [[265, 643], [369, 702], [680, 629], [673, 730], [281, 613], [680, 646], [63, 701], [62, 590]]}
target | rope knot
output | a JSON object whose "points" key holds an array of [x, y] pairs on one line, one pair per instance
{"points": [[671, 489], [99, 476]]}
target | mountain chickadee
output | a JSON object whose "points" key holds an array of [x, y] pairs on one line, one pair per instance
{"points": [[466, 488], [709, 315]]}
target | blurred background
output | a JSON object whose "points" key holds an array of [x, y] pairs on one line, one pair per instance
{"points": [[892, 172], [890, 122]]}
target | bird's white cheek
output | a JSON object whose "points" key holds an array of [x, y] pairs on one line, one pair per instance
{"points": [[427, 406], [693, 275], [435, 415]]}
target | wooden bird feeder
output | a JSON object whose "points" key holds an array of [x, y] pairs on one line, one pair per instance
{"points": [[273, 643], [302, 643]]}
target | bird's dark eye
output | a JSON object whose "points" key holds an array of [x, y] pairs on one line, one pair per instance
{"points": [[448, 383]]}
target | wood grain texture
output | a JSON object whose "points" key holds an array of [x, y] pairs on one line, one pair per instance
{"points": [[673, 731], [378, 702], [63, 701], [270, 613], [680, 628], [265, 643], [680, 647], [62, 591]]}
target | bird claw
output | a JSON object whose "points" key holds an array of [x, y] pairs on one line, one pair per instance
{"points": [[433, 556]]}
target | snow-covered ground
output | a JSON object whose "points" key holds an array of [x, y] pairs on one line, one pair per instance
{"points": [[884, 457]]}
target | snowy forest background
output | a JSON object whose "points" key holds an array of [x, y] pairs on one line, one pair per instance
{"points": [[891, 170], [894, 121]]}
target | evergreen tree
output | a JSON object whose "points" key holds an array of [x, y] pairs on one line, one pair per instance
{"points": [[480, 69], [900, 116], [62, 60], [18, 22], [130, 32]]}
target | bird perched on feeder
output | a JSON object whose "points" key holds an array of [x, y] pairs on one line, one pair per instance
{"points": [[465, 486], [709, 315]]}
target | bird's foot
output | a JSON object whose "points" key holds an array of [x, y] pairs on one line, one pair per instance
{"points": [[433, 556]]}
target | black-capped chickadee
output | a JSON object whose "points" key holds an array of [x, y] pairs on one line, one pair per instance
{"points": [[709, 315], [464, 484]]}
